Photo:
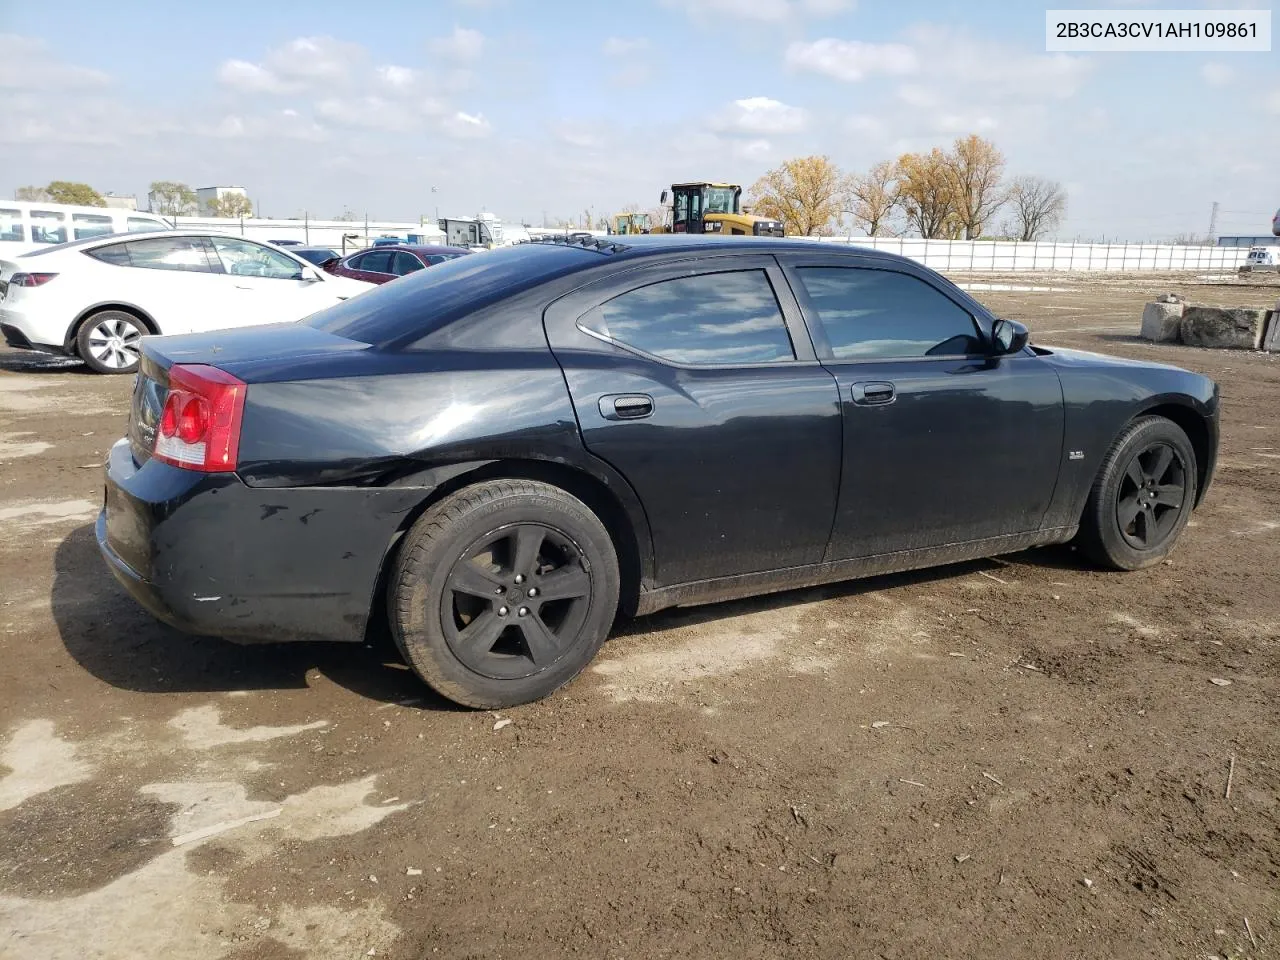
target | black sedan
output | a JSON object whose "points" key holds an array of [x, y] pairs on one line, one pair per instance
{"points": [[500, 453]]}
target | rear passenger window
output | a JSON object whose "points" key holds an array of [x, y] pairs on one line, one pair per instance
{"points": [[712, 319], [377, 262], [167, 253], [881, 314], [143, 225], [11, 226], [405, 263], [47, 226], [86, 225], [114, 253]]}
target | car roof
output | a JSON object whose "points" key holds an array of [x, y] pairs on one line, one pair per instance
{"points": [[642, 245], [414, 248]]}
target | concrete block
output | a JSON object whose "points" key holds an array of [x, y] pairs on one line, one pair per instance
{"points": [[1271, 339], [1162, 322], [1237, 327]]}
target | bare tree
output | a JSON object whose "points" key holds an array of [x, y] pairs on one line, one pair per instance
{"points": [[1037, 207], [38, 194], [873, 196]]}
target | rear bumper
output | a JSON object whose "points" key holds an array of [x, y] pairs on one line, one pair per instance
{"points": [[24, 331], [212, 556]]}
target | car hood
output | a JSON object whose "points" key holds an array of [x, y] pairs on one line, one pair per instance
{"points": [[1067, 357]]}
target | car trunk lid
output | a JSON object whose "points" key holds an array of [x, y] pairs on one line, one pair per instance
{"points": [[251, 354]]}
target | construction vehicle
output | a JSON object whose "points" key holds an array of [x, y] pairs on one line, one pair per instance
{"points": [[629, 223], [714, 208]]}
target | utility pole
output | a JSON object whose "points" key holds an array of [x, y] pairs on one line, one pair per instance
{"points": [[1213, 224]]}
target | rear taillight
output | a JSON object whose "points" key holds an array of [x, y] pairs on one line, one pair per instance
{"points": [[200, 425], [30, 279]]}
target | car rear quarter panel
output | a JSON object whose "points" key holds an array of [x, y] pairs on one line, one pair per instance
{"points": [[1101, 395]]}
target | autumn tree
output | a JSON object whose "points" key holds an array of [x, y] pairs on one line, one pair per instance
{"points": [[173, 199], [925, 193], [974, 169], [873, 196], [1037, 207], [36, 194], [806, 194], [232, 205]]}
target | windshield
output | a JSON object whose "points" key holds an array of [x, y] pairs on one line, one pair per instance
{"points": [[721, 200], [422, 302]]}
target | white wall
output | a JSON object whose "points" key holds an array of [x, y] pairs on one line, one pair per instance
{"points": [[316, 233], [1001, 255]]}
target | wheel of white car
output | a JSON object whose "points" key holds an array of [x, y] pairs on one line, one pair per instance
{"points": [[109, 341]]}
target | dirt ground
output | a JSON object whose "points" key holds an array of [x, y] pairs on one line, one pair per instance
{"points": [[1015, 758]]}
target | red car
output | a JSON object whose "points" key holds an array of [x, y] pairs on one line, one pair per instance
{"points": [[380, 264]]}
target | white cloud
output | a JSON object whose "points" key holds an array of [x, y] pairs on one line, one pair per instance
{"points": [[397, 78], [1217, 74], [250, 78], [28, 64], [754, 150], [956, 59], [759, 115], [762, 11], [621, 46], [463, 45], [301, 64], [466, 125], [851, 60]]}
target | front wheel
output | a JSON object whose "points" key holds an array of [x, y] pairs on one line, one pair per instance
{"points": [[109, 341], [503, 592], [1142, 497]]}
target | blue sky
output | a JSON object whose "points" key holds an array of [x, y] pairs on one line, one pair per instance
{"points": [[525, 107]]}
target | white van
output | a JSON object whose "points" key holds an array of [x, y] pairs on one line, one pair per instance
{"points": [[27, 225]]}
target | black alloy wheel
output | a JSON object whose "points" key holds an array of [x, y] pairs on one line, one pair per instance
{"points": [[1152, 491], [516, 600]]}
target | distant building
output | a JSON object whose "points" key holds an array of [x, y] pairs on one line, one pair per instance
{"points": [[120, 202], [206, 195], [1263, 241]]}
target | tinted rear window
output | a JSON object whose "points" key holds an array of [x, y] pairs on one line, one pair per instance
{"points": [[427, 300]]}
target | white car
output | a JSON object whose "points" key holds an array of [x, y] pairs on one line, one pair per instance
{"points": [[97, 298], [1261, 257]]}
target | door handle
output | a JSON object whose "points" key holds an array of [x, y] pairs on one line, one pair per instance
{"points": [[874, 392], [626, 406]]}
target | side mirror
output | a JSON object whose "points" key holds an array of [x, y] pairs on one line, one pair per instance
{"points": [[664, 197], [1009, 336], [309, 275]]}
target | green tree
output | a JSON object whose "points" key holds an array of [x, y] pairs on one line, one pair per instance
{"points": [[233, 205], [173, 199], [36, 194], [65, 191]]}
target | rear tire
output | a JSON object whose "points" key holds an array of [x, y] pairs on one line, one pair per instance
{"points": [[503, 592], [108, 341], [1142, 497]]}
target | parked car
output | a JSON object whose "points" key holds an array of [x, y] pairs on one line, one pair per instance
{"points": [[1262, 257], [380, 265], [27, 225], [501, 451], [317, 255], [97, 298]]}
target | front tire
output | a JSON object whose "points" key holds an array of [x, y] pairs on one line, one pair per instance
{"points": [[503, 592], [109, 341], [1142, 497]]}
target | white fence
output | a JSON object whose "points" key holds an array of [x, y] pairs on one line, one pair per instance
{"points": [[316, 233], [998, 256]]}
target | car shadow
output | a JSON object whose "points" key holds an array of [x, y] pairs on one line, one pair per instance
{"points": [[118, 642], [33, 361], [115, 640]]}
